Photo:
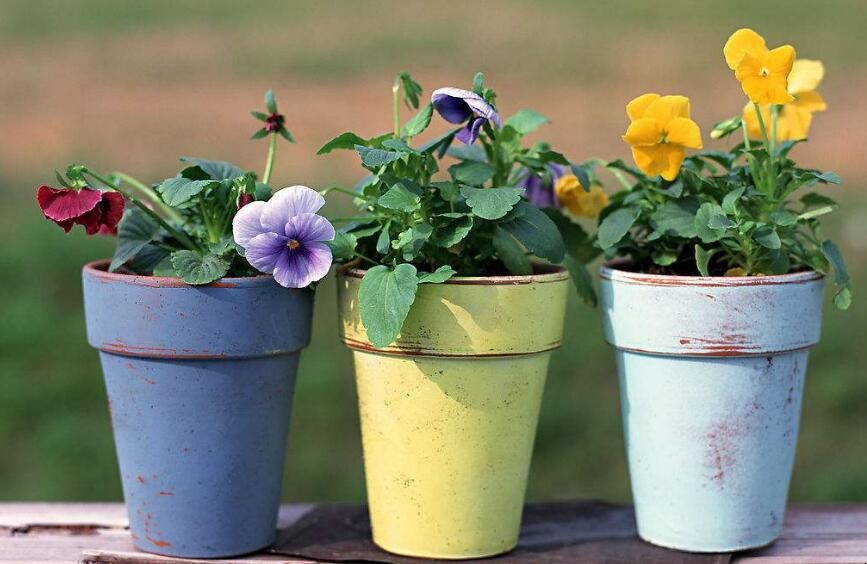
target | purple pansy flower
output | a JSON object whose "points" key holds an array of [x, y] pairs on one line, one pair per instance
{"points": [[459, 106], [284, 236], [541, 193]]}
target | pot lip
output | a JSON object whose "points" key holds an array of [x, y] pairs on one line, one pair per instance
{"points": [[549, 273], [99, 269], [613, 271]]}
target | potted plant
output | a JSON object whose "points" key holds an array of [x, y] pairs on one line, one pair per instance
{"points": [[451, 301], [712, 300], [199, 349]]}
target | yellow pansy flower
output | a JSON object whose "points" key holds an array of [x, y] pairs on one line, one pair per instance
{"points": [[793, 119], [660, 132], [577, 201], [762, 73]]}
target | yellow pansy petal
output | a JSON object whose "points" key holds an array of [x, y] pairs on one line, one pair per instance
{"points": [[635, 109], [780, 60], [650, 160], [684, 132], [645, 131], [805, 76], [766, 90], [810, 101], [742, 41], [793, 123], [666, 108], [674, 157], [750, 118], [736, 271]]}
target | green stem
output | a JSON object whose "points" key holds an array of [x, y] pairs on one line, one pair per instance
{"points": [[352, 193], [213, 237], [349, 219], [395, 103], [754, 170], [179, 235], [774, 112], [617, 174], [269, 164], [151, 195], [762, 127], [363, 257]]}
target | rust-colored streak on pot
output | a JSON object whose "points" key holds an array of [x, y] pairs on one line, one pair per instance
{"points": [[125, 349], [165, 493], [409, 350]]}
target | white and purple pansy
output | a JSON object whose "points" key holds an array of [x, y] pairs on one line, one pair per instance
{"points": [[463, 106], [285, 237]]}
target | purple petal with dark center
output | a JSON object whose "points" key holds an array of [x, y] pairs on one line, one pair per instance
{"points": [[453, 110], [246, 224], [469, 133], [309, 227], [287, 203], [265, 250], [308, 263]]}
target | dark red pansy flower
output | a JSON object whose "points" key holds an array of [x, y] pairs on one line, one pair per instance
{"points": [[274, 123], [244, 199], [99, 212]]}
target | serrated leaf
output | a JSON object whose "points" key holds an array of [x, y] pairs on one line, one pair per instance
{"points": [[513, 255], [135, 231], [615, 226], [473, 173], [196, 269], [767, 237], [526, 121], [438, 276], [399, 198], [467, 153], [178, 190], [536, 232], [411, 240], [217, 170], [706, 214], [491, 203], [385, 297], [814, 199], [418, 122], [676, 218], [147, 258], [342, 246], [346, 140], [453, 232], [730, 202], [377, 157], [843, 297], [702, 259], [783, 218]]}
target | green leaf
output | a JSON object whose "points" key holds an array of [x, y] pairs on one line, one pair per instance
{"points": [[843, 297], [730, 202], [134, 232], [147, 258], [813, 199], [676, 217], [448, 190], [453, 232], [710, 213], [783, 218], [536, 232], [702, 259], [581, 279], [383, 242], [261, 116], [165, 269], [178, 190], [411, 90], [491, 203], [513, 255], [342, 246], [284, 133], [418, 122], [411, 240], [217, 170], [270, 102], [438, 276], [479, 83], [399, 198], [384, 299], [195, 268], [346, 140], [373, 158], [440, 144], [468, 153], [817, 212], [767, 237], [474, 173], [260, 133], [550, 156], [526, 121], [616, 225], [580, 172]]}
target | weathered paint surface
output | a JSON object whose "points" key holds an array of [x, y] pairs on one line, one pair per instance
{"points": [[711, 379], [449, 412], [200, 399]]}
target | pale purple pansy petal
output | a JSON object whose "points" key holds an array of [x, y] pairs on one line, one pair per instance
{"points": [[287, 203], [470, 132], [541, 194], [452, 108], [307, 264], [265, 250], [456, 105], [246, 224], [309, 227]]}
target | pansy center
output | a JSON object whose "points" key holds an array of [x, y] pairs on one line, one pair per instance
{"points": [[293, 244], [663, 138], [764, 72]]}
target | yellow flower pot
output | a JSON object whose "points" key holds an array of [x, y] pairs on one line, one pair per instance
{"points": [[449, 411]]}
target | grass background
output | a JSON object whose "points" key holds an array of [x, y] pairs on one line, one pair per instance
{"points": [[132, 85]]}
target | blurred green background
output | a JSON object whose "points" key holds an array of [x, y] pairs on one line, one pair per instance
{"points": [[133, 85]]}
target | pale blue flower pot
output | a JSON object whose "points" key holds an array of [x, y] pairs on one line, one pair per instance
{"points": [[199, 383], [711, 377]]}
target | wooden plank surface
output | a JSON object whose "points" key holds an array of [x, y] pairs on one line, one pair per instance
{"points": [[96, 532]]}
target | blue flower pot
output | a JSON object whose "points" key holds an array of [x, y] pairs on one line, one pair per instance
{"points": [[200, 382]]}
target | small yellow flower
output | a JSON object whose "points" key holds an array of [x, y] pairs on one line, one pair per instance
{"points": [[793, 119], [763, 73], [736, 271], [660, 132], [576, 201]]}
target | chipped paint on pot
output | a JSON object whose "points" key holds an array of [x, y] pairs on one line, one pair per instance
{"points": [[449, 411], [711, 377], [199, 383]]}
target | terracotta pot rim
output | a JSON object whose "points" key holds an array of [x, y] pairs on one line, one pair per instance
{"points": [[548, 273], [99, 269], [613, 271]]}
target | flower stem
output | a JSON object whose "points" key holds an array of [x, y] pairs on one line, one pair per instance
{"points": [[177, 234], [352, 193], [151, 195], [269, 164], [395, 102]]}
